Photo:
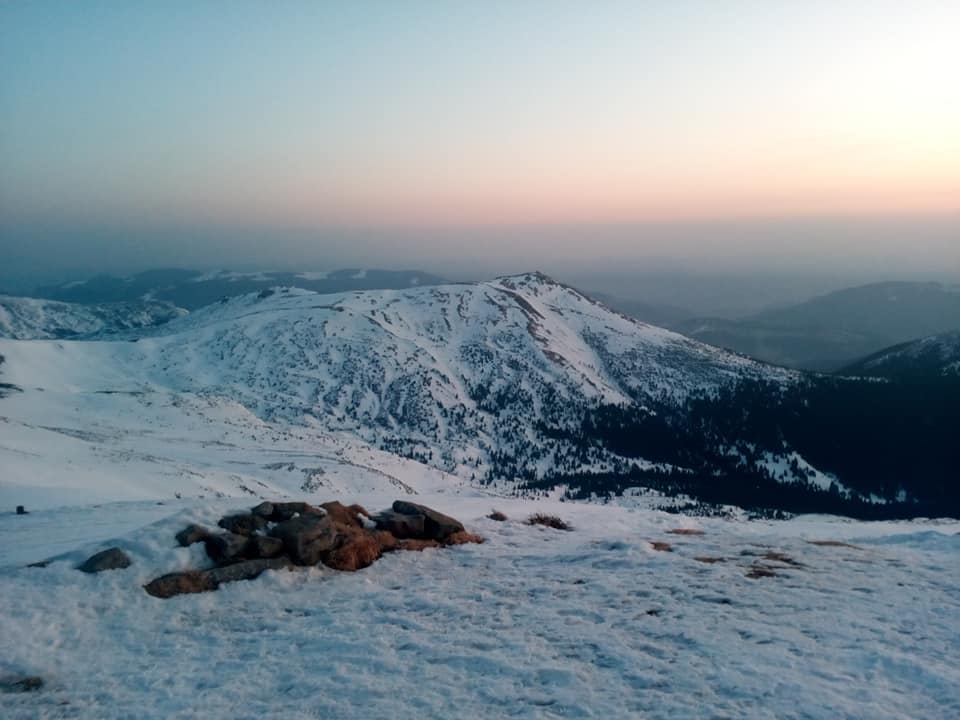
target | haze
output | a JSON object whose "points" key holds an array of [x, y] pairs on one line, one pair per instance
{"points": [[600, 139]]}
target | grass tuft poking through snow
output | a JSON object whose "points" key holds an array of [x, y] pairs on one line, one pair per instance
{"points": [[551, 521]]}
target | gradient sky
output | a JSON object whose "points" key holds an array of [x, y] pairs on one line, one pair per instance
{"points": [[437, 131]]}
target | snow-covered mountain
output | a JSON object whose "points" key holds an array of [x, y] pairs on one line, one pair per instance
{"points": [[451, 374], [934, 355], [23, 318]]}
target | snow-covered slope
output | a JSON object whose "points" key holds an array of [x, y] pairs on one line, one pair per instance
{"points": [[748, 620], [934, 355], [23, 318], [456, 376]]}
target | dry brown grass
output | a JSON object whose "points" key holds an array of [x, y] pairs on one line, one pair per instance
{"points": [[685, 531], [551, 521], [661, 546], [709, 560], [833, 543], [497, 515], [760, 571], [462, 538], [775, 556]]}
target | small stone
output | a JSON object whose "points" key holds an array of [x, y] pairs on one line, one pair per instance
{"points": [[21, 510], [111, 559], [192, 534]]}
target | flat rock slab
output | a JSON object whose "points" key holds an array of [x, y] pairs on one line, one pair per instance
{"points": [[111, 559], [436, 525], [197, 581]]}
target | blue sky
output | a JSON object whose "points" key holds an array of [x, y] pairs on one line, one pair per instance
{"points": [[146, 120]]}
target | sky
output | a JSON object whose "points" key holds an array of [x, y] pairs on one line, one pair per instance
{"points": [[481, 137]]}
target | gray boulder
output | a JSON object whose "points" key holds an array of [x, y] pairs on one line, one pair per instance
{"points": [[246, 570], [287, 510], [243, 524], [192, 534], [225, 547], [402, 527], [263, 546], [436, 525], [306, 538], [111, 559], [264, 510]]}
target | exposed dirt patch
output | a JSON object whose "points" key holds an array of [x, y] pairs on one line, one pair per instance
{"points": [[685, 531], [551, 521], [661, 546], [709, 560]]}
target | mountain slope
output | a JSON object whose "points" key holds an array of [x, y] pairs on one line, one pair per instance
{"points": [[34, 319], [191, 289], [833, 330], [930, 356]]}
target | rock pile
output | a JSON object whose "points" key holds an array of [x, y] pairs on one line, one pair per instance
{"points": [[273, 536]]}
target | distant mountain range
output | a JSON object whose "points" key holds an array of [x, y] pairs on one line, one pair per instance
{"points": [[191, 289], [930, 356], [832, 331], [38, 319]]}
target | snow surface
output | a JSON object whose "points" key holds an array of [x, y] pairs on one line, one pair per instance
{"points": [[123, 443], [533, 623]]}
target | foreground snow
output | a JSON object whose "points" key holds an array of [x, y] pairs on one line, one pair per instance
{"points": [[534, 623]]}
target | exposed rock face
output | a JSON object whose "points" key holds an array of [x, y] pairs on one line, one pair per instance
{"points": [[192, 534], [436, 526], [111, 559], [339, 536]]}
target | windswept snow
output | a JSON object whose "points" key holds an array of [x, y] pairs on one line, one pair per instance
{"points": [[533, 623]]}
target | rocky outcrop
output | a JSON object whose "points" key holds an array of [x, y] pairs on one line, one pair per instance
{"points": [[111, 559], [273, 536]]}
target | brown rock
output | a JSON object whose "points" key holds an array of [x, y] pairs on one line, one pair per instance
{"points": [[112, 559], [340, 513], [192, 534], [180, 583]]}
